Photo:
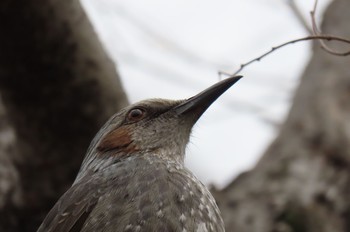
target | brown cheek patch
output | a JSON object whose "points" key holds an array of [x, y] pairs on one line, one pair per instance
{"points": [[118, 140]]}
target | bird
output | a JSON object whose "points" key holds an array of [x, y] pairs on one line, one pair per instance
{"points": [[133, 177]]}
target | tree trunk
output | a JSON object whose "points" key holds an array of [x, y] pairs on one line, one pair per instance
{"points": [[58, 87], [302, 182]]}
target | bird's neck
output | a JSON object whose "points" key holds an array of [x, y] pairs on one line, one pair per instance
{"points": [[168, 155]]}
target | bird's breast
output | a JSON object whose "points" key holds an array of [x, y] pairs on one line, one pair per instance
{"points": [[150, 194]]}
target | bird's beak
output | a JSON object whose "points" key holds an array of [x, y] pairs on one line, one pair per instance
{"points": [[198, 104]]}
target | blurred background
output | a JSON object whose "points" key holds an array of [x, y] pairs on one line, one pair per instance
{"points": [[174, 49]]}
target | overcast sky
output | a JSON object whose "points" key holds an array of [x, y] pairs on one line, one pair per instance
{"points": [[174, 49]]}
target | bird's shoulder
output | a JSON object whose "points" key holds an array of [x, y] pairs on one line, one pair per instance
{"points": [[73, 207], [140, 193]]}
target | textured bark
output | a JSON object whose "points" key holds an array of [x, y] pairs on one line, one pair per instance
{"points": [[58, 87], [302, 182]]}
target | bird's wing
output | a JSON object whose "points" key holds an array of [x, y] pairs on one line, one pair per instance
{"points": [[73, 208]]}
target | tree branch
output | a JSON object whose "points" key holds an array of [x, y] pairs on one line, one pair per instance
{"points": [[317, 32], [273, 49]]}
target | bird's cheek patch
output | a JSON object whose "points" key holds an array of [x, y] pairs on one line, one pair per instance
{"points": [[118, 140]]}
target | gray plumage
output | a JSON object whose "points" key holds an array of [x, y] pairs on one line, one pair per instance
{"points": [[133, 176]]}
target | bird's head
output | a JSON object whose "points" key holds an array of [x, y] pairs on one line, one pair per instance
{"points": [[156, 126]]}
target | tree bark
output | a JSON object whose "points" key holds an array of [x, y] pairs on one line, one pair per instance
{"points": [[302, 182], [58, 87]]}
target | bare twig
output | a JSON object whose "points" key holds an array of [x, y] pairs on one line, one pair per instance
{"points": [[294, 7], [312, 37], [317, 32]]}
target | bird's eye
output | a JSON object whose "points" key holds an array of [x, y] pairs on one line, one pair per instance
{"points": [[136, 114]]}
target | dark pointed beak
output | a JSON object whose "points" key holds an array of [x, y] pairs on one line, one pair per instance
{"points": [[199, 103]]}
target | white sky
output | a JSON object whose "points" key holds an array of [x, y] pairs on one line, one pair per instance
{"points": [[174, 49]]}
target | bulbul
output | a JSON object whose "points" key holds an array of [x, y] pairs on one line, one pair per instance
{"points": [[133, 176]]}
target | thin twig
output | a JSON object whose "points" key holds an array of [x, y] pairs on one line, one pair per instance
{"points": [[317, 32], [311, 37], [294, 7]]}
